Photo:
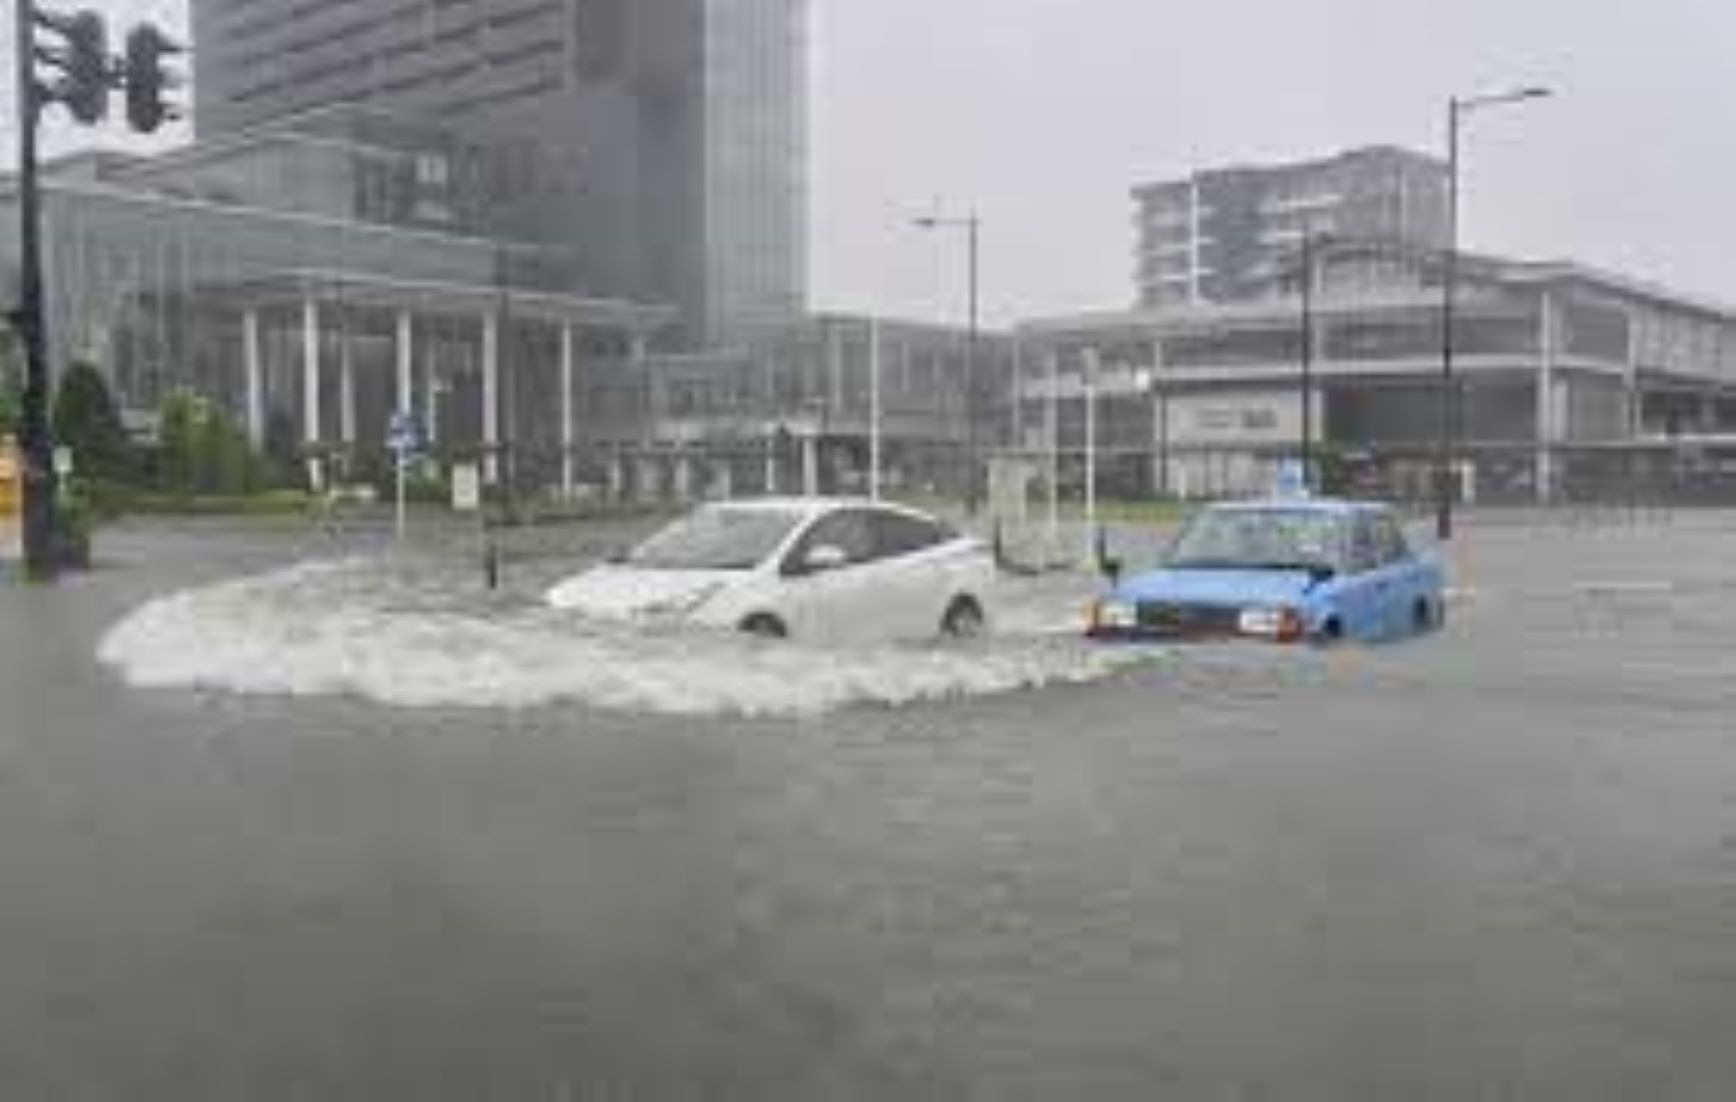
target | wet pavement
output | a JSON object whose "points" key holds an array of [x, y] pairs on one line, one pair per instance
{"points": [[1499, 863]]}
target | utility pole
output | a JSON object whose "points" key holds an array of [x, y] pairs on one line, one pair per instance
{"points": [[1308, 245], [40, 561], [973, 413], [1457, 111], [1093, 366], [1449, 323], [875, 410], [971, 224], [87, 75]]}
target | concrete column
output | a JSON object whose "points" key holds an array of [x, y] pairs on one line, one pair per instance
{"points": [[1547, 429], [310, 373], [636, 356], [346, 391], [684, 478], [255, 364], [1160, 425], [771, 469], [406, 349], [617, 478], [491, 397], [811, 465], [723, 479], [650, 479], [569, 430], [310, 387], [1160, 421]]}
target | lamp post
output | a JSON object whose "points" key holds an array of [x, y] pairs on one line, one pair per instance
{"points": [[27, 318], [1307, 353], [971, 224], [1457, 111]]}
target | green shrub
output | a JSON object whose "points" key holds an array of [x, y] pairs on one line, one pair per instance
{"points": [[202, 451], [85, 420], [75, 522]]}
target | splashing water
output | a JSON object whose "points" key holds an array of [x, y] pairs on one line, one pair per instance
{"points": [[410, 634]]}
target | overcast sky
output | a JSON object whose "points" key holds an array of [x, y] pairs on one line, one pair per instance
{"points": [[1043, 113]]}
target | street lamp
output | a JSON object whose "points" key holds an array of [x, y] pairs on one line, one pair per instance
{"points": [[1310, 244], [971, 224], [1457, 111]]}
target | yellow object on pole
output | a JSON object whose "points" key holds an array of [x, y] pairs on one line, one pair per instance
{"points": [[11, 501]]}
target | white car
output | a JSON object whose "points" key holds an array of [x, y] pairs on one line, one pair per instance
{"points": [[813, 569]]}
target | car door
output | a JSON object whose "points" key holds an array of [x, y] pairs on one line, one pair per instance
{"points": [[911, 575], [1360, 596], [833, 605], [1404, 581]]}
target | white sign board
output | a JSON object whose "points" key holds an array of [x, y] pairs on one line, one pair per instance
{"points": [[1227, 420], [466, 488]]}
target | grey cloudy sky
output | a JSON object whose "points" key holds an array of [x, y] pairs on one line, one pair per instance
{"points": [[1043, 113], [1046, 111]]}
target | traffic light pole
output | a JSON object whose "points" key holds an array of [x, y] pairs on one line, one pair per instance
{"points": [[28, 320]]}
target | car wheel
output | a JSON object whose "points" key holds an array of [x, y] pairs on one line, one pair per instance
{"points": [[1331, 632], [964, 619], [765, 627], [1430, 616]]}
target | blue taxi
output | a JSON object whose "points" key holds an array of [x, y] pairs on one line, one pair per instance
{"points": [[1285, 571]]}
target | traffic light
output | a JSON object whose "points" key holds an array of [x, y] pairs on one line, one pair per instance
{"points": [[146, 78], [83, 60]]}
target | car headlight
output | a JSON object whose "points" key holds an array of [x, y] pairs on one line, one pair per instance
{"points": [[1281, 624], [1113, 615]]}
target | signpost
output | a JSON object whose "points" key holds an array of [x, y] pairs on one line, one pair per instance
{"points": [[467, 498], [404, 440], [466, 488]]}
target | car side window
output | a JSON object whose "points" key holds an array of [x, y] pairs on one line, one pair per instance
{"points": [[1389, 542], [847, 530], [897, 534], [1364, 550]]}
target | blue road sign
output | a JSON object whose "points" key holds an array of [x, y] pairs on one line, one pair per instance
{"points": [[402, 434]]}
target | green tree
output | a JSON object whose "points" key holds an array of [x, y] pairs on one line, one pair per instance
{"points": [[202, 451], [9, 383], [85, 420], [227, 462], [9, 409], [178, 442]]}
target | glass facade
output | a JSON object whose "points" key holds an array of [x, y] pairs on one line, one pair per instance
{"points": [[756, 185], [662, 142]]}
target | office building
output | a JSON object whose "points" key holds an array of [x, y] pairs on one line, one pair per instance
{"points": [[313, 279], [659, 143], [1217, 235], [1570, 381]]}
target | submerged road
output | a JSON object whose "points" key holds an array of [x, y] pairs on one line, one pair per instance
{"points": [[1497, 864]]}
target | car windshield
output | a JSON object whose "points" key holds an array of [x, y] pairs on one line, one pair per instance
{"points": [[1260, 539], [717, 539]]}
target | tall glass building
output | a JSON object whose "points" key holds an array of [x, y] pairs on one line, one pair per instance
{"points": [[661, 142]]}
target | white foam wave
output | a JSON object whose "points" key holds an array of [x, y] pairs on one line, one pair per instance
{"points": [[388, 632]]}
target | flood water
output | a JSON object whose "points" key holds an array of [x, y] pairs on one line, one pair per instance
{"points": [[329, 821]]}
